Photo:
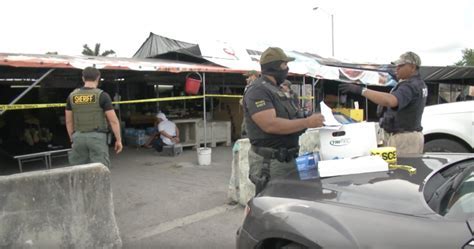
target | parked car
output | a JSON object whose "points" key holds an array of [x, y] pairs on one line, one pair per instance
{"points": [[449, 127], [433, 208]]}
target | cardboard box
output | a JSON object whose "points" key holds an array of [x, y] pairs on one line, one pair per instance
{"points": [[350, 140], [347, 166]]}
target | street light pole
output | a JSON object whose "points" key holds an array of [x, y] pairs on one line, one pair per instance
{"points": [[332, 34], [332, 28]]}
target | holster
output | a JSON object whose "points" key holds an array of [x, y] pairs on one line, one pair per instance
{"points": [[263, 178], [280, 154]]}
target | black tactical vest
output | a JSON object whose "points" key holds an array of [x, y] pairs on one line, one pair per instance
{"points": [[88, 115], [284, 108], [407, 119]]}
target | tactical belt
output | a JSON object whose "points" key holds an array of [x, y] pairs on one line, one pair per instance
{"points": [[281, 154], [400, 132], [95, 130]]}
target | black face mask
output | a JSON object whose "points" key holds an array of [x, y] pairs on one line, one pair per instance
{"points": [[274, 69]]}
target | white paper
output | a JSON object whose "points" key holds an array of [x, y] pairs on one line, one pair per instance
{"points": [[329, 119], [348, 166]]}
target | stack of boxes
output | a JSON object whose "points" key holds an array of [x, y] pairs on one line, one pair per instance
{"points": [[135, 137], [343, 150]]}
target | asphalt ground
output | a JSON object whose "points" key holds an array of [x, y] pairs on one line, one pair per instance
{"points": [[167, 202]]}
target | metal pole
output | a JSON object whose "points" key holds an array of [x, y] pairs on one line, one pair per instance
{"points": [[366, 109], [332, 27], [28, 89], [332, 33], [313, 91], [204, 105], [303, 93]]}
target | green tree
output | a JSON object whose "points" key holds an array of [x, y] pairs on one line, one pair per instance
{"points": [[96, 52], [467, 58]]}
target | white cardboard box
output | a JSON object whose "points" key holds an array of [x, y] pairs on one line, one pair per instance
{"points": [[350, 140], [348, 166]]}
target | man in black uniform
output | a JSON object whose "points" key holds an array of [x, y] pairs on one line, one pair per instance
{"points": [[273, 125], [404, 105], [251, 75], [87, 111]]}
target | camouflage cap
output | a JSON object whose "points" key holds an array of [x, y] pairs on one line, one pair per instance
{"points": [[286, 83], [250, 73], [408, 58], [272, 54]]}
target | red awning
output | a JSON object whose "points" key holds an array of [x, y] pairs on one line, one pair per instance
{"points": [[111, 63]]}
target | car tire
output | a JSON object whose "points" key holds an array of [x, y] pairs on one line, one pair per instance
{"points": [[293, 246], [444, 145]]}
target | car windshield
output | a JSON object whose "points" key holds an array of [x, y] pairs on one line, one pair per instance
{"points": [[461, 201], [452, 193]]}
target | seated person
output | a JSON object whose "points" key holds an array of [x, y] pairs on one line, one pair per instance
{"points": [[167, 133]]}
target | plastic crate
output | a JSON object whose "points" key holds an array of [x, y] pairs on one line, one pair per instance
{"points": [[136, 141], [172, 150]]}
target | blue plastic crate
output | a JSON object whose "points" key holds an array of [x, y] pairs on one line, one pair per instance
{"points": [[130, 131], [136, 141], [150, 130]]}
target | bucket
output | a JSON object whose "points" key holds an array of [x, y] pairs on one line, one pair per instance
{"points": [[192, 85], [204, 156]]}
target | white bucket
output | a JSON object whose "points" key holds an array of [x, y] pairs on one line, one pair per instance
{"points": [[204, 156]]}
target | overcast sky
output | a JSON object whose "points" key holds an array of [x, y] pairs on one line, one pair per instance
{"points": [[364, 30]]}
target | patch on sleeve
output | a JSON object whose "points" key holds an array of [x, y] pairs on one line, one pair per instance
{"points": [[84, 99], [260, 103]]}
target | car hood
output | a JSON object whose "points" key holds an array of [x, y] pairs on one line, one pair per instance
{"points": [[449, 108], [393, 191]]}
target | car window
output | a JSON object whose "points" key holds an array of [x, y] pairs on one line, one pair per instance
{"points": [[450, 192], [461, 202]]}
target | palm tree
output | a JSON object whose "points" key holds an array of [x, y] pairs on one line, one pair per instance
{"points": [[96, 51], [467, 58]]}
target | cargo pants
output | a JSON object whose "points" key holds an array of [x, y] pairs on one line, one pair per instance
{"points": [[406, 143], [89, 147], [277, 169]]}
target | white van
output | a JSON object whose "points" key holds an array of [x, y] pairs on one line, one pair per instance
{"points": [[449, 127]]}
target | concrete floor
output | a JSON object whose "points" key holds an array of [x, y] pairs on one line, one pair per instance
{"points": [[168, 202]]}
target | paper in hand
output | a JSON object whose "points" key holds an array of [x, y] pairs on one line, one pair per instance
{"points": [[329, 119]]}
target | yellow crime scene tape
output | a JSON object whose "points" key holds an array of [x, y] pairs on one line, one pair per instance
{"points": [[224, 96], [136, 101], [389, 154], [240, 96], [30, 106], [53, 105], [157, 99]]}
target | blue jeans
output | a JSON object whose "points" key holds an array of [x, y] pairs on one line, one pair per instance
{"points": [[158, 144]]}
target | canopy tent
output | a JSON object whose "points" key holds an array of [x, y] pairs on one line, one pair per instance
{"points": [[461, 75], [107, 63], [231, 56], [449, 74]]}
